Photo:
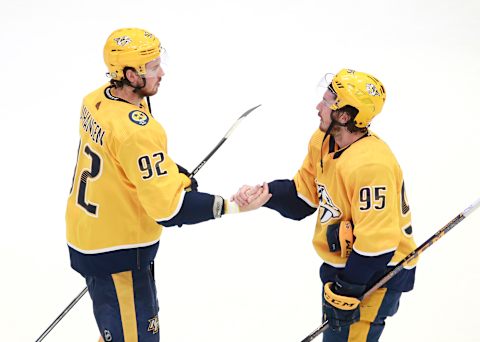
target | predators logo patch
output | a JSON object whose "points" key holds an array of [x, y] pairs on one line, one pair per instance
{"points": [[372, 90], [328, 209], [153, 325], [138, 117], [107, 335], [122, 41]]}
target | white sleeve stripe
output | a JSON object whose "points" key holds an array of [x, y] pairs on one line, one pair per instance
{"points": [[335, 265], [306, 200], [393, 264], [372, 254], [389, 264], [179, 205]]}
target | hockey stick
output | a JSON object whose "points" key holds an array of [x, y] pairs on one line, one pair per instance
{"points": [[389, 275], [64, 312], [244, 115], [193, 173]]}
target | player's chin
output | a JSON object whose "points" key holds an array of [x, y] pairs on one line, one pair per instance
{"points": [[150, 92]]}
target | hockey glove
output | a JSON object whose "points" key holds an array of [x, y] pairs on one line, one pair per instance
{"points": [[340, 238], [194, 185], [340, 304]]}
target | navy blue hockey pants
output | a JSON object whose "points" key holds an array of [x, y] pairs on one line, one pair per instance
{"points": [[125, 306]]}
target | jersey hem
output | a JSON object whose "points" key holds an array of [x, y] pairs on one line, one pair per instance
{"points": [[111, 249]]}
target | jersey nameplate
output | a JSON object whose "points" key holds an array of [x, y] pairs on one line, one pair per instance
{"points": [[91, 126]]}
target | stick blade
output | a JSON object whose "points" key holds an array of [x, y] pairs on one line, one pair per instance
{"points": [[249, 111]]}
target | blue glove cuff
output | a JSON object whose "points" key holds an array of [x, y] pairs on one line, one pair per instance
{"points": [[343, 288]]}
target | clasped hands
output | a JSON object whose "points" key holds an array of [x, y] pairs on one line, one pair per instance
{"points": [[251, 197]]}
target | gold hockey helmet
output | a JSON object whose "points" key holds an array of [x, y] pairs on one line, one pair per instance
{"points": [[130, 47], [359, 90]]}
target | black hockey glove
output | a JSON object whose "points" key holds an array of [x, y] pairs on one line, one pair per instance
{"points": [[340, 304], [194, 185]]}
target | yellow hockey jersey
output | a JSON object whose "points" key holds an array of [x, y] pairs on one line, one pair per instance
{"points": [[362, 183], [124, 182]]}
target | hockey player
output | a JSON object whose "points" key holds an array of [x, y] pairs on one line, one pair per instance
{"points": [[351, 177], [125, 188]]}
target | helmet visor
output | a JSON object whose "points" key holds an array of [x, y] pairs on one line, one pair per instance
{"points": [[153, 68], [156, 66], [326, 92]]}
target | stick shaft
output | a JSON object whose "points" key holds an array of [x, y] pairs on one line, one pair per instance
{"points": [[220, 143], [64, 312], [419, 250], [194, 172]]}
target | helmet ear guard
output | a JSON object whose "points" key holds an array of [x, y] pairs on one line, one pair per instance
{"points": [[130, 47], [359, 90]]}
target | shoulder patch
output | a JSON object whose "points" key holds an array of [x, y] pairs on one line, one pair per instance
{"points": [[138, 117]]}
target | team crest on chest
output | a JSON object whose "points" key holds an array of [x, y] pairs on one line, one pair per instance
{"points": [[328, 209]]}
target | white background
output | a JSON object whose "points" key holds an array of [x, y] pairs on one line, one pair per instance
{"points": [[254, 276]]}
